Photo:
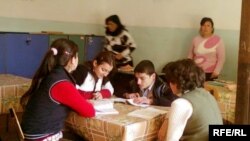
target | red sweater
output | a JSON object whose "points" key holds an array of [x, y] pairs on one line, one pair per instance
{"points": [[65, 93], [89, 95]]}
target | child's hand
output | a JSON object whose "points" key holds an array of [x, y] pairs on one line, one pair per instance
{"points": [[141, 100], [97, 95], [131, 95]]}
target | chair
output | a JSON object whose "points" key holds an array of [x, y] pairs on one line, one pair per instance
{"points": [[17, 124]]}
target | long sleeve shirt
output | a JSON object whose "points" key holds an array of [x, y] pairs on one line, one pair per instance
{"points": [[208, 53], [87, 84], [191, 115], [181, 110], [122, 44], [65, 93], [90, 86]]}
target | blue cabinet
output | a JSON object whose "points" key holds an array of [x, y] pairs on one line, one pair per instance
{"points": [[89, 46], [93, 45], [53, 37], [23, 53], [2, 55], [79, 40]]}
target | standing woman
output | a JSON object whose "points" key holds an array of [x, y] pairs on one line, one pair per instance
{"points": [[119, 41], [92, 77], [52, 94], [208, 50]]}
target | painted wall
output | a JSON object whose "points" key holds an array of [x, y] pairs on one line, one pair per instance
{"points": [[163, 29]]}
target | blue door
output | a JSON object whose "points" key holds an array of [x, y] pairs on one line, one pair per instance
{"points": [[24, 53]]}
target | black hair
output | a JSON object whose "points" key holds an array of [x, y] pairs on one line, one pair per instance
{"points": [[145, 66], [102, 57], [207, 19], [60, 53], [116, 20], [185, 74]]}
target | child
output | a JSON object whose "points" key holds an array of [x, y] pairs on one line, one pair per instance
{"points": [[53, 93], [92, 78], [192, 113], [148, 88]]}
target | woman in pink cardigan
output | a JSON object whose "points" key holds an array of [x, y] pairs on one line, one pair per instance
{"points": [[208, 50]]}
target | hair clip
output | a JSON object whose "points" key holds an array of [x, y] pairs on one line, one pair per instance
{"points": [[54, 50]]}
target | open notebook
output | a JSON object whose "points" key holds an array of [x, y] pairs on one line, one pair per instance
{"points": [[104, 106], [129, 101]]}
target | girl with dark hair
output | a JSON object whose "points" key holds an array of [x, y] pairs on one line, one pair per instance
{"points": [[52, 94], [92, 77], [119, 41], [208, 50], [196, 109]]}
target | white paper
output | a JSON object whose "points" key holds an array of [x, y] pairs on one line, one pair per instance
{"points": [[147, 113], [122, 100], [131, 101], [106, 111], [104, 106]]}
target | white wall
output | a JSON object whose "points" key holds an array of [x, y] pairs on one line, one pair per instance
{"points": [[84, 11], [162, 28], [177, 13], [159, 13]]}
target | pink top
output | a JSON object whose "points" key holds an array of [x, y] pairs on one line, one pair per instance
{"points": [[208, 53]]}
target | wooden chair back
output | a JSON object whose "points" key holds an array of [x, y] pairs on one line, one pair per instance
{"points": [[17, 124]]}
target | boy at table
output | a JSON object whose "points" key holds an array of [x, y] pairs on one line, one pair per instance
{"points": [[148, 87]]}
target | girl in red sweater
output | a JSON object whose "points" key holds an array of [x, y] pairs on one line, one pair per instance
{"points": [[53, 93]]}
